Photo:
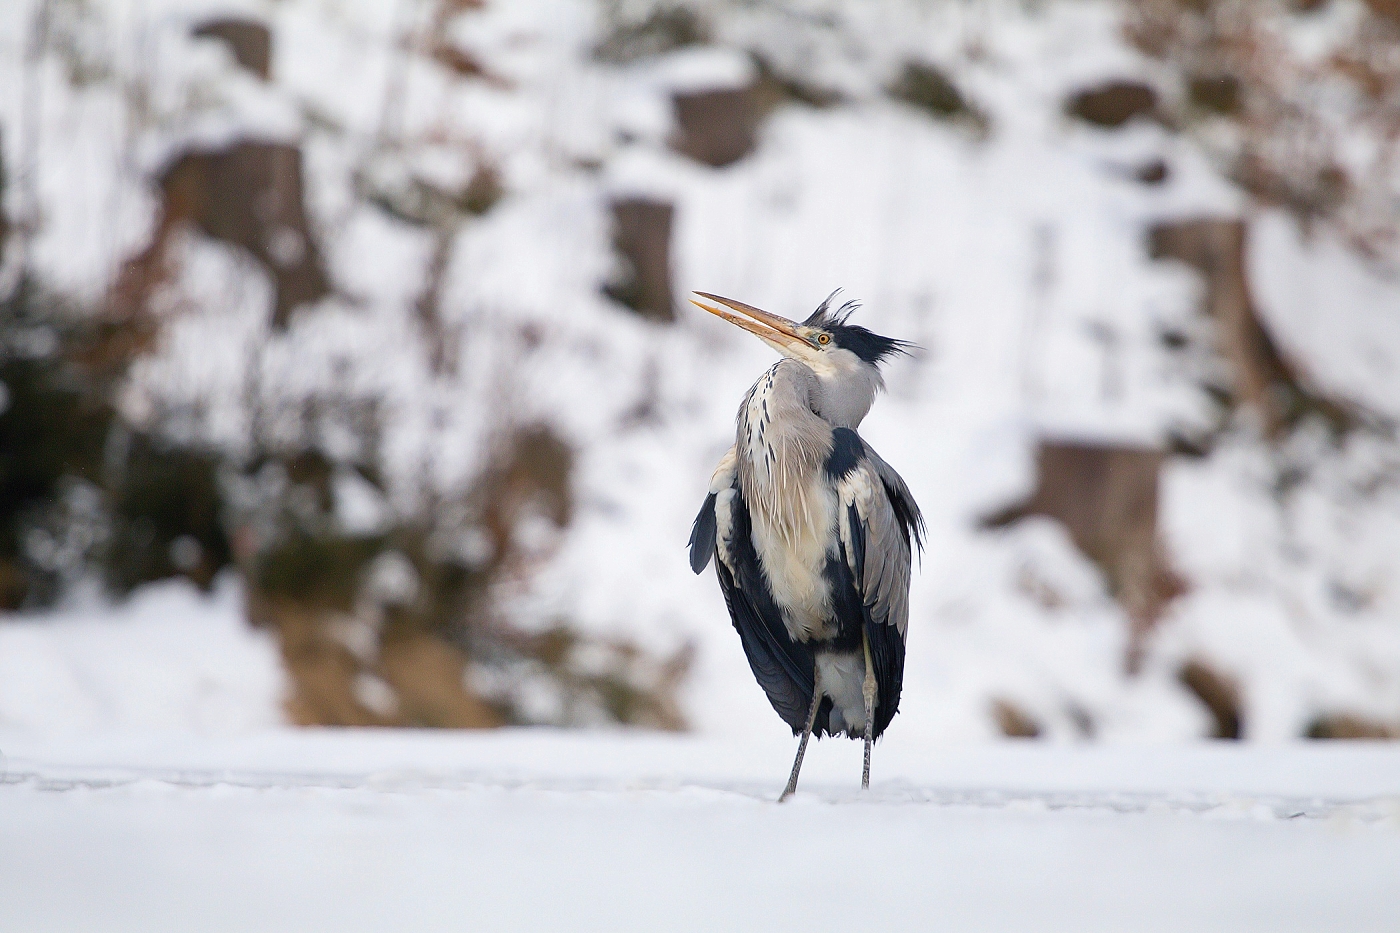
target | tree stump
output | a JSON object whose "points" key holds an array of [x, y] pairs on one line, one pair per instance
{"points": [[642, 240], [250, 195], [718, 126], [249, 40], [1263, 379], [1220, 695], [1106, 497], [1113, 103]]}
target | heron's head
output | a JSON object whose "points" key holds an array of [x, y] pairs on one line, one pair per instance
{"points": [[826, 341], [845, 357]]}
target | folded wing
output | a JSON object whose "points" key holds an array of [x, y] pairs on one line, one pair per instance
{"points": [[783, 668], [879, 523]]}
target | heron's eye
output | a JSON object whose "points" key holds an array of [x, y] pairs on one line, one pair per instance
{"points": [[823, 339]]}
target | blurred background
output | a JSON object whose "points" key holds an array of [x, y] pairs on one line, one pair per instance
{"points": [[347, 377]]}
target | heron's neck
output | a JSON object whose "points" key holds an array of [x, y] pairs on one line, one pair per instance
{"points": [[781, 443], [844, 394]]}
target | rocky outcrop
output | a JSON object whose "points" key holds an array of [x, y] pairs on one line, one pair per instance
{"points": [[1105, 495], [642, 242], [250, 195]]}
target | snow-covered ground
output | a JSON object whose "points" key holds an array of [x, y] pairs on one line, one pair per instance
{"points": [[547, 830], [146, 785], [168, 659]]}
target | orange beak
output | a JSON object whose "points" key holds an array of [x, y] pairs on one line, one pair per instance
{"points": [[778, 332]]}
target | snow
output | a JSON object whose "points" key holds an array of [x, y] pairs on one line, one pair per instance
{"points": [[703, 69], [1334, 313], [169, 659], [538, 830], [1292, 593], [145, 785]]}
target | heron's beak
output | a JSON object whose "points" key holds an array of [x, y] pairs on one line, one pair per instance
{"points": [[778, 332]]}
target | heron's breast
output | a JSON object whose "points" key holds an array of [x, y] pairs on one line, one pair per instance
{"points": [[780, 448], [793, 548]]}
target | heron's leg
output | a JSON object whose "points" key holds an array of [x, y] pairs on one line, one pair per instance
{"points": [[868, 691], [802, 745]]}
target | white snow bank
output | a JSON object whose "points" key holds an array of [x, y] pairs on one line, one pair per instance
{"points": [[1291, 556], [167, 659], [1335, 315], [703, 68]]}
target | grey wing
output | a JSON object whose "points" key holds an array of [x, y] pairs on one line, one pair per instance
{"points": [[876, 527], [876, 538], [906, 510]]}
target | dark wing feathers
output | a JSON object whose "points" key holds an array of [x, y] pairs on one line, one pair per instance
{"points": [[887, 657], [879, 522], [857, 556], [784, 668], [877, 544], [906, 510], [702, 535]]}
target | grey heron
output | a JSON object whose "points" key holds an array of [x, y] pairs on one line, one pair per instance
{"points": [[812, 532]]}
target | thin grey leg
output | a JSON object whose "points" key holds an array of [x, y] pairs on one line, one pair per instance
{"points": [[868, 691], [802, 746]]}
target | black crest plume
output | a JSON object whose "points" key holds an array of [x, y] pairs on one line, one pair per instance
{"points": [[872, 348]]}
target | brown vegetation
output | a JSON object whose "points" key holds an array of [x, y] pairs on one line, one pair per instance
{"points": [[1314, 135], [927, 87], [663, 28], [1219, 694], [393, 624]]}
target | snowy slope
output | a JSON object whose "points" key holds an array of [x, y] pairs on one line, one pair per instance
{"points": [[1008, 258]]}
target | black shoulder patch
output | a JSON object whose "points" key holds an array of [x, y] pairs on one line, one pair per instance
{"points": [[846, 453]]}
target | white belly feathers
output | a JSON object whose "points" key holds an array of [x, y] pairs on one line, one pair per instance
{"points": [[793, 550]]}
